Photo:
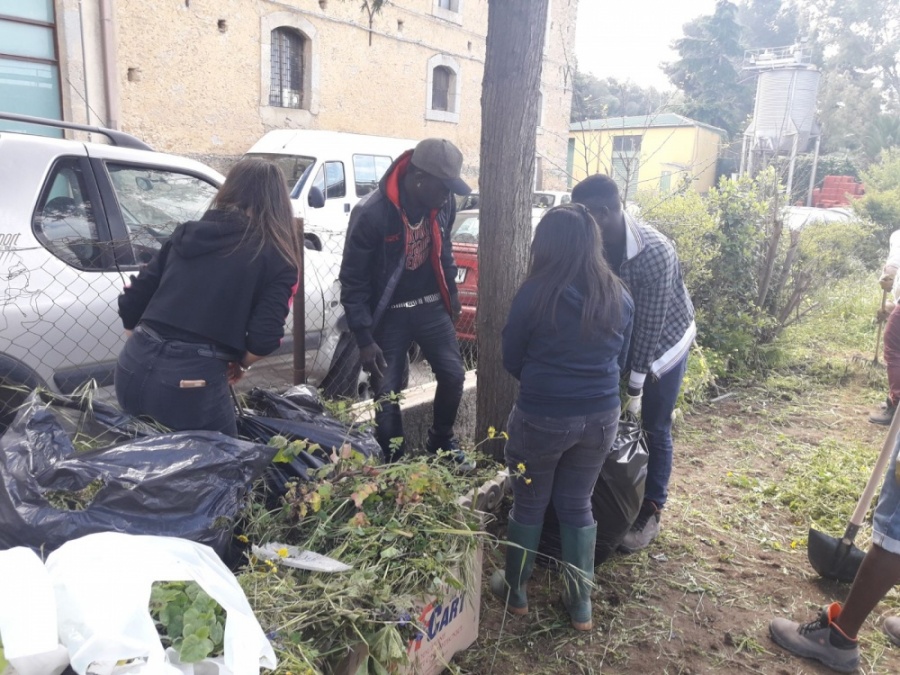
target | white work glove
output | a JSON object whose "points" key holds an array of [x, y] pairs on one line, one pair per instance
{"points": [[633, 401]]}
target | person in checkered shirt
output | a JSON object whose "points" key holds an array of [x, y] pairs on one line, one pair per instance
{"points": [[664, 331]]}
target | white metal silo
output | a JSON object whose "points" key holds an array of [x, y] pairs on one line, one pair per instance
{"points": [[784, 113], [785, 108]]}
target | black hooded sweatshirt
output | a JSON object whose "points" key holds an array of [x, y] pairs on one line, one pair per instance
{"points": [[210, 280]]}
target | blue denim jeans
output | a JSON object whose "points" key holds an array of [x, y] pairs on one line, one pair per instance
{"points": [[657, 407], [886, 521], [148, 380], [562, 458], [431, 328]]}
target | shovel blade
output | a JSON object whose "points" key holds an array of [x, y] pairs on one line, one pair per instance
{"points": [[832, 558]]}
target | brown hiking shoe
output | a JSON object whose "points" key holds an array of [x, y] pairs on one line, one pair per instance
{"points": [[884, 414]]}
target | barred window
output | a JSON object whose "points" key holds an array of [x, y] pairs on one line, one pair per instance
{"points": [[288, 69], [443, 89]]}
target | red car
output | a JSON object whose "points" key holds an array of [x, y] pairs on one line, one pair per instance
{"points": [[464, 235]]}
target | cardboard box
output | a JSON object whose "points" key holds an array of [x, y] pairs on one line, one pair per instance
{"points": [[448, 628]]}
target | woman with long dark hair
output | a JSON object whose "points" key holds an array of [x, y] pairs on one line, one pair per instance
{"points": [[566, 341], [210, 303]]}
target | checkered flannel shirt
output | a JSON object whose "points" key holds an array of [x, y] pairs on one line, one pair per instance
{"points": [[663, 312]]}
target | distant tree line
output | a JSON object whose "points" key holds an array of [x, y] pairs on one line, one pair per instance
{"points": [[855, 44]]}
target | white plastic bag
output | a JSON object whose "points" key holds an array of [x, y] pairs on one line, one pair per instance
{"points": [[102, 584], [28, 615]]}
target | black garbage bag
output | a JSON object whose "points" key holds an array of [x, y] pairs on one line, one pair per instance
{"points": [[268, 414], [53, 488], [617, 496], [306, 396]]}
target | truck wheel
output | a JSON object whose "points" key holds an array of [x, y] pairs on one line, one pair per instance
{"points": [[16, 382], [342, 379], [346, 378]]}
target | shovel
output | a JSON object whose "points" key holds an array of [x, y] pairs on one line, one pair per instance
{"points": [[839, 559]]}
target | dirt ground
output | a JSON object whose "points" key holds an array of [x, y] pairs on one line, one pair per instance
{"points": [[731, 555]]}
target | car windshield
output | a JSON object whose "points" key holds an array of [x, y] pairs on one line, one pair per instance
{"points": [[544, 200], [797, 217], [295, 167], [465, 227]]}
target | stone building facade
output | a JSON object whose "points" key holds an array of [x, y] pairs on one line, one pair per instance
{"points": [[207, 78]]}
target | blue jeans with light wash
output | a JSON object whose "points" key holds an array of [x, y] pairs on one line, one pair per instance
{"points": [[657, 407], [557, 458], [886, 522]]}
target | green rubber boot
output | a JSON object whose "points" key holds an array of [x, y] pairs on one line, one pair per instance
{"points": [[509, 584], [578, 574]]}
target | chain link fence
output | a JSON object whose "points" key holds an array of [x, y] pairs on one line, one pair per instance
{"points": [[59, 322]]}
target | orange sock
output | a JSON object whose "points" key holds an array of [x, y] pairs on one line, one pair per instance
{"points": [[834, 612]]}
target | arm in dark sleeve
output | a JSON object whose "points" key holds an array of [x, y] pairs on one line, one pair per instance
{"points": [[265, 327], [516, 333], [355, 276], [448, 262], [136, 296]]}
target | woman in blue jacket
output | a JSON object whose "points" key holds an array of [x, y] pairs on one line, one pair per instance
{"points": [[566, 341]]}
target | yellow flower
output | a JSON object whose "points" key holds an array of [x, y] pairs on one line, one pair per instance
{"points": [[270, 565], [243, 539], [521, 467], [491, 432], [794, 544], [282, 553], [527, 481]]}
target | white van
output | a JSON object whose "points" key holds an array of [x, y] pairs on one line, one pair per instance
{"points": [[327, 173]]}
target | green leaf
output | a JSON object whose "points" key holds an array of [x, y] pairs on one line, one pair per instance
{"points": [[390, 552], [363, 668], [195, 649], [217, 634]]}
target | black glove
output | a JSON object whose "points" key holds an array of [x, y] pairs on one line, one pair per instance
{"points": [[455, 307], [372, 359]]}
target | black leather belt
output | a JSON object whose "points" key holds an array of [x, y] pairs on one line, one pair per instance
{"points": [[206, 350]]}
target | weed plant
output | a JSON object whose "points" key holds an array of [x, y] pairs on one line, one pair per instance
{"points": [[403, 530]]}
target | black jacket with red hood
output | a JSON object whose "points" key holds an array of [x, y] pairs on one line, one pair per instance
{"points": [[376, 242]]}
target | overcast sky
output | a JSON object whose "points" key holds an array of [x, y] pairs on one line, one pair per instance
{"points": [[629, 39]]}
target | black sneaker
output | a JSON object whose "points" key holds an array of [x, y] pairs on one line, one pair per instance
{"points": [[821, 640], [450, 450]]}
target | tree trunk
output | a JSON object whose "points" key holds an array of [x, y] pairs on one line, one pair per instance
{"points": [[509, 117]]}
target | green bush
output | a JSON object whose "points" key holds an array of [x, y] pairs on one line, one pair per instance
{"points": [[749, 276], [881, 203]]}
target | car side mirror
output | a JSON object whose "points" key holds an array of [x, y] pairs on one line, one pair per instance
{"points": [[315, 198]]}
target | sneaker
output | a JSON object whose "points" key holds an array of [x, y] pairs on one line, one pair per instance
{"points": [[884, 414], [451, 451], [821, 640], [644, 529], [891, 628]]}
